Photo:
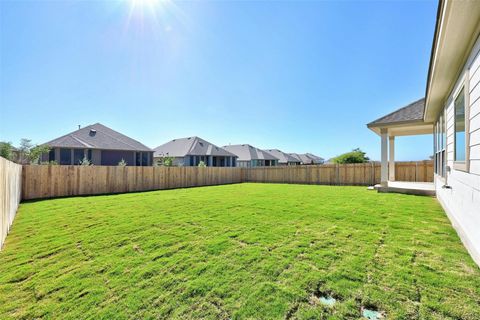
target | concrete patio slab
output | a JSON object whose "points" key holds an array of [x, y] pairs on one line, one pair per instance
{"points": [[406, 187]]}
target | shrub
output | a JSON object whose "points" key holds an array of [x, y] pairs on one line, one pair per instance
{"points": [[122, 163], [86, 162], [202, 164], [165, 161]]}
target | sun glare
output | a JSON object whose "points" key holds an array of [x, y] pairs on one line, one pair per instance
{"points": [[156, 13]]}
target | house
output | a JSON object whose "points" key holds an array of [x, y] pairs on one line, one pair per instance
{"points": [[190, 151], [100, 145], [307, 158], [451, 112], [249, 156], [284, 159]]}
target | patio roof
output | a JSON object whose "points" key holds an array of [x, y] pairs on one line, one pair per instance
{"points": [[407, 120]]}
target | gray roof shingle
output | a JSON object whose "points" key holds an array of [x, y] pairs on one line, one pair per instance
{"points": [[410, 113], [246, 152], [282, 156], [97, 136], [190, 146], [315, 157], [307, 158]]}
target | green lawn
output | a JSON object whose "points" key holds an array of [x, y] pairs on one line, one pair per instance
{"points": [[245, 251]]}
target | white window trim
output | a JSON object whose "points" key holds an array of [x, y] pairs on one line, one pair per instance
{"points": [[465, 85]]}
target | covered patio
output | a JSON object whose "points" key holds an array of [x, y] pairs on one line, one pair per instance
{"points": [[406, 121]]}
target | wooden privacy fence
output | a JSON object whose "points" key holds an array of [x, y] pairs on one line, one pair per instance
{"points": [[10, 193], [419, 171], [59, 181], [49, 181], [345, 174]]}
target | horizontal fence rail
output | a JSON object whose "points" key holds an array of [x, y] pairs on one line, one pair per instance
{"points": [[49, 181], [10, 192]]}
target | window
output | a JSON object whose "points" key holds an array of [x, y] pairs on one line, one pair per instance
{"points": [[89, 155], [137, 158], [439, 146], [144, 159], [65, 156], [51, 155], [78, 155], [460, 138]]}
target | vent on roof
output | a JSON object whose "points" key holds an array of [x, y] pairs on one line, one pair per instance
{"points": [[93, 132], [201, 144]]}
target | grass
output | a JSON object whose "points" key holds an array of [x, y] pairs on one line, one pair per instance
{"points": [[245, 251]]}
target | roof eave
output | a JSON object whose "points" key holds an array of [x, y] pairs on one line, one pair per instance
{"points": [[449, 51]]}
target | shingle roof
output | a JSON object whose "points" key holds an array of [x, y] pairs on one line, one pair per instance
{"points": [[97, 136], [282, 156], [314, 157], [246, 152], [190, 146], [410, 113], [307, 158]]}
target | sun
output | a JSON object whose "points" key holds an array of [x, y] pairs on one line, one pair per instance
{"points": [[144, 2], [148, 12], [143, 5]]}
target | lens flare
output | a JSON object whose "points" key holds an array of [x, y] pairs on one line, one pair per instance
{"points": [[155, 14]]}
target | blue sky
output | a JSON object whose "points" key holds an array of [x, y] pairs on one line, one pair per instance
{"points": [[298, 76]]}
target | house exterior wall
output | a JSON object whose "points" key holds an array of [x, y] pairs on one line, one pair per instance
{"points": [[244, 164], [113, 157], [461, 200], [98, 157], [256, 163], [180, 161]]}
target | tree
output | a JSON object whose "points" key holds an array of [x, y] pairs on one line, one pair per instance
{"points": [[36, 152], [31, 153], [354, 156], [6, 149]]}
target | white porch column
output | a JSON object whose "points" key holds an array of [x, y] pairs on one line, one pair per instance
{"points": [[391, 158], [384, 163]]}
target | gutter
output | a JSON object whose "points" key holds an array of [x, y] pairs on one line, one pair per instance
{"points": [[440, 9]]}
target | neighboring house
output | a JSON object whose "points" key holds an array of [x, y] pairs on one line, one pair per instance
{"points": [[284, 159], [316, 159], [190, 151], [451, 111], [99, 144], [307, 158], [249, 156]]}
